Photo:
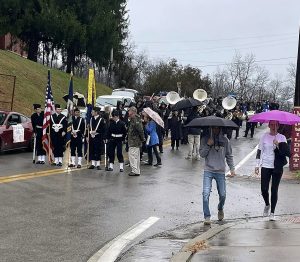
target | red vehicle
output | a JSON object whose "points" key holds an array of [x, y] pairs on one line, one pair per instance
{"points": [[7, 120]]}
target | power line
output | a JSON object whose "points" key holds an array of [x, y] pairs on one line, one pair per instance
{"points": [[214, 40], [255, 61], [272, 59], [220, 48]]}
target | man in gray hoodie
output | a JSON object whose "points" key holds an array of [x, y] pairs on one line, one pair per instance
{"points": [[215, 148]]}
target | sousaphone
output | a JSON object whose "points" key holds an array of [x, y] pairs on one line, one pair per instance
{"points": [[200, 94], [173, 97], [229, 102]]}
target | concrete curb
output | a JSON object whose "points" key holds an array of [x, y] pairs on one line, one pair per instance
{"points": [[185, 254]]}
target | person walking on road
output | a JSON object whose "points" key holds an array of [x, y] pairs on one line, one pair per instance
{"points": [[153, 141], [135, 140], [215, 148], [193, 135], [175, 127], [271, 157]]}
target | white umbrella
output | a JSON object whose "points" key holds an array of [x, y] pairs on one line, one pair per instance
{"points": [[155, 116]]}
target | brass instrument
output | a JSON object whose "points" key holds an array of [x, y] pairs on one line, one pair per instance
{"points": [[201, 108], [173, 97], [229, 116], [229, 102], [200, 94]]}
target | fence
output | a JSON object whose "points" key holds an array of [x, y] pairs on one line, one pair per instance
{"points": [[7, 91]]}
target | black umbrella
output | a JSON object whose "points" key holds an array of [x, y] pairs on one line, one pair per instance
{"points": [[186, 103], [210, 121]]}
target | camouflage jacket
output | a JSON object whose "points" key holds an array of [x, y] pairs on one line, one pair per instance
{"points": [[135, 132]]}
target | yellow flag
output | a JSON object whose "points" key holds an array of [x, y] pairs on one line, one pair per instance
{"points": [[91, 88]]}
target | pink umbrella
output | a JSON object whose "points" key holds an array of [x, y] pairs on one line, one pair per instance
{"points": [[281, 116], [155, 116]]}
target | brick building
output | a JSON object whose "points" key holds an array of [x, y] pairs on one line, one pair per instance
{"points": [[12, 43]]}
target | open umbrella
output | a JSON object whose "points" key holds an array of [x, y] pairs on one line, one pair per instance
{"points": [[186, 103], [78, 99], [276, 115], [155, 116], [210, 121]]}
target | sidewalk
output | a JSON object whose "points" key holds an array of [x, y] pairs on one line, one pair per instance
{"points": [[248, 240]]}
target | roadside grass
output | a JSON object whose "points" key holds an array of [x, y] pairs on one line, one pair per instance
{"points": [[31, 81], [297, 174]]}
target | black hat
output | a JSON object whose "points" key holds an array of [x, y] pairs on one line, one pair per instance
{"points": [[36, 106], [76, 109], [57, 106], [115, 113]]}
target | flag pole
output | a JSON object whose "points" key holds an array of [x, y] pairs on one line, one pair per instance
{"points": [[88, 147]]}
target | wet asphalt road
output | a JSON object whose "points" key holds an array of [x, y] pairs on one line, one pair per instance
{"points": [[68, 217]]}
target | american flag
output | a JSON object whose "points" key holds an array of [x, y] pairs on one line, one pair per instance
{"points": [[49, 110]]}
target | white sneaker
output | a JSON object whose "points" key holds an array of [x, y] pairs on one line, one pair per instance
{"points": [[207, 221], [272, 217], [266, 211], [188, 157]]}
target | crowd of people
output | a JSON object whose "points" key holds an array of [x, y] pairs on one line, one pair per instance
{"points": [[105, 133]]}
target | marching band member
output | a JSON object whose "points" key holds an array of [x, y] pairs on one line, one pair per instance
{"points": [[58, 125], [77, 136], [116, 135], [37, 119], [96, 138]]}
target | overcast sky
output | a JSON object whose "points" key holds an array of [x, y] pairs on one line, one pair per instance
{"points": [[207, 33]]}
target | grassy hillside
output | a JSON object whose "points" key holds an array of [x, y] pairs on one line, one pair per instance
{"points": [[31, 81]]}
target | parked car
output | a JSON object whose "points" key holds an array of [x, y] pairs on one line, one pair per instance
{"points": [[112, 100], [7, 121], [125, 92]]}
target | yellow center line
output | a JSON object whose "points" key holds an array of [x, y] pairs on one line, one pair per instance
{"points": [[7, 179]]}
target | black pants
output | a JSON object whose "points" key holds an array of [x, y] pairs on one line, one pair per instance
{"points": [[76, 144], [266, 175], [58, 143], [173, 142], [150, 154], [250, 126], [95, 148], [112, 145], [39, 145]]}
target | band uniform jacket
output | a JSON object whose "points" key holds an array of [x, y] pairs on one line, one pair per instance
{"points": [[58, 125], [101, 132], [100, 128], [116, 129], [81, 128], [37, 123], [58, 119]]}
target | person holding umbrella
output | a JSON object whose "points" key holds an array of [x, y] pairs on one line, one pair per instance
{"points": [[271, 155], [152, 140], [217, 151]]}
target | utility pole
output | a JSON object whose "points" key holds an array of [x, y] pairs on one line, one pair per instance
{"points": [[295, 146]]}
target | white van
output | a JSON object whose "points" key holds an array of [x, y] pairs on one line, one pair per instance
{"points": [[112, 100], [126, 92]]}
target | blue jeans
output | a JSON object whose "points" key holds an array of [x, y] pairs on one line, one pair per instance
{"points": [[221, 186]]}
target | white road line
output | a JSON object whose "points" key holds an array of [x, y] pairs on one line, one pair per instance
{"points": [[111, 251], [244, 160]]}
